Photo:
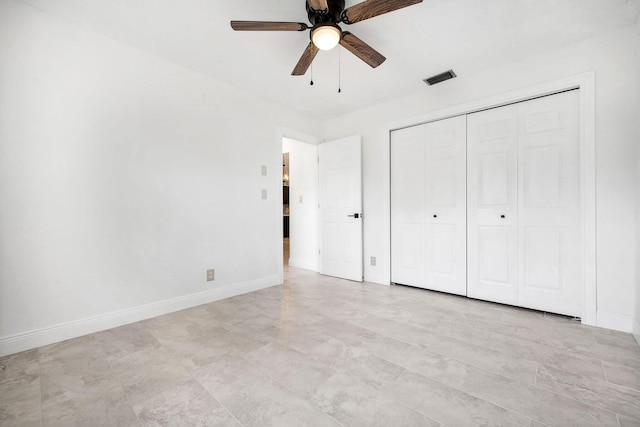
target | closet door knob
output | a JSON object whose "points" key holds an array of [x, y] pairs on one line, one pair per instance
{"points": [[502, 216], [435, 216]]}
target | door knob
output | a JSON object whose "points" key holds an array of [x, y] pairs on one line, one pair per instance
{"points": [[355, 215], [502, 216], [435, 216]]}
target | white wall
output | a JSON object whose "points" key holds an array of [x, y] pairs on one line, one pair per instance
{"points": [[123, 177], [303, 203], [612, 58]]}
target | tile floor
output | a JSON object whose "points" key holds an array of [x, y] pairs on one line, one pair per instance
{"points": [[322, 351]]}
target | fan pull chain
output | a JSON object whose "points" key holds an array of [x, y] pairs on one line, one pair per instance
{"points": [[339, 70], [311, 83]]}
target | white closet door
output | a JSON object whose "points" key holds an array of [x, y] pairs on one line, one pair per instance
{"points": [[429, 206], [549, 214], [408, 206], [445, 201], [525, 245], [492, 205]]}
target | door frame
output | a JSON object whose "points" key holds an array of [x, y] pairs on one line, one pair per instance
{"points": [[585, 82], [303, 217], [283, 132]]}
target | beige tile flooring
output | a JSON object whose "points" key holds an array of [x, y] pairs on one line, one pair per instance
{"points": [[323, 351]]}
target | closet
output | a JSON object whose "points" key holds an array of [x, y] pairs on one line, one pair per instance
{"points": [[488, 205]]}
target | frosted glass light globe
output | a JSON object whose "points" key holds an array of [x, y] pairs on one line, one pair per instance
{"points": [[326, 37]]}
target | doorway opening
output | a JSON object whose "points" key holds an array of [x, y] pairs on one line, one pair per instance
{"points": [[300, 204], [285, 209]]}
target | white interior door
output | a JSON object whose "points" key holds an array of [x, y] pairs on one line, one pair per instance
{"points": [[428, 206], [524, 211], [341, 208]]}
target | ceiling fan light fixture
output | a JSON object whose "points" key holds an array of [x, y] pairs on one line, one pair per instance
{"points": [[326, 37], [326, 16]]}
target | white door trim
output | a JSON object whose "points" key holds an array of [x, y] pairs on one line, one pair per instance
{"points": [[586, 83]]}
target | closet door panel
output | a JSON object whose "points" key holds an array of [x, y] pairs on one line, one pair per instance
{"points": [[542, 253], [494, 171], [445, 203], [494, 255], [408, 206], [428, 206], [492, 205], [550, 270]]}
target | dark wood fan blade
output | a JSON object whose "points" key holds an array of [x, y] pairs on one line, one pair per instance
{"points": [[362, 50], [318, 4], [268, 26], [305, 60], [370, 8]]}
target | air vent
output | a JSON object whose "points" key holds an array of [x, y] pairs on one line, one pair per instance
{"points": [[440, 78]]}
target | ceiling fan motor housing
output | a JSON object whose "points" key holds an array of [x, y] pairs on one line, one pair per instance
{"points": [[333, 14]]}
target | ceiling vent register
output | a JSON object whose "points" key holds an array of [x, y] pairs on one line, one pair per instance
{"points": [[440, 78]]}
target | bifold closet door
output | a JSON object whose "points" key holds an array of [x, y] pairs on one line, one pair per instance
{"points": [[428, 206], [492, 150], [525, 243], [550, 215]]}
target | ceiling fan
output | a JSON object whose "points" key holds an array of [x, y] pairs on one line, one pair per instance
{"points": [[325, 15]]}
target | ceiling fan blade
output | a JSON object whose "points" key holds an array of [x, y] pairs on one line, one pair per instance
{"points": [[305, 60], [371, 8], [318, 4], [362, 50], [268, 26]]}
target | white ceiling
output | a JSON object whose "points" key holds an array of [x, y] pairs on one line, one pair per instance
{"points": [[419, 41]]}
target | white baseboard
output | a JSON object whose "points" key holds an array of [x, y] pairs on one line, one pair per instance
{"points": [[636, 329], [45, 336], [615, 321], [303, 263], [378, 279]]}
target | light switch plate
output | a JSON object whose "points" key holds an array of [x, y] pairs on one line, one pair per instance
{"points": [[373, 261], [263, 170], [300, 199], [264, 194]]}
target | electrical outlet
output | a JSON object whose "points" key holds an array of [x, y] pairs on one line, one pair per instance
{"points": [[264, 170], [373, 261], [210, 275], [300, 199], [264, 194]]}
